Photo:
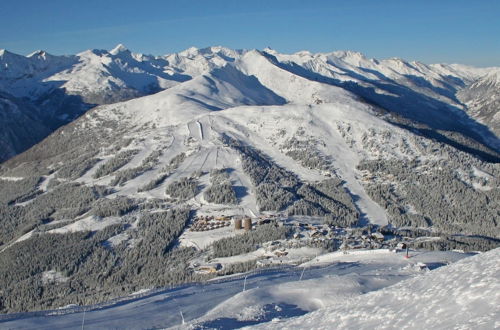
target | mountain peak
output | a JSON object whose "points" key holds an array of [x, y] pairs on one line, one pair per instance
{"points": [[303, 53], [191, 51], [39, 52], [120, 48], [269, 50], [5, 52], [348, 54]]}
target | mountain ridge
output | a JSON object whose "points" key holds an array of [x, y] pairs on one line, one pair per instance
{"points": [[95, 77]]}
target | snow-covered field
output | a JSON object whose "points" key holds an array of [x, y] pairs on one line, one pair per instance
{"points": [[464, 295], [351, 290]]}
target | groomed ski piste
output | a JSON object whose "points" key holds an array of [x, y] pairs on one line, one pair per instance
{"points": [[366, 289]]}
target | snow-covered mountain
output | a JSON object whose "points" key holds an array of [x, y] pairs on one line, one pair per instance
{"points": [[21, 128], [61, 88], [98, 76], [482, 99], [320, 151]]}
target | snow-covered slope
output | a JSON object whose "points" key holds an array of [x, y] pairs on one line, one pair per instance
{"points": [[267, 296], [416, 91], [483, 99], [464, 295], [20, 126], [311, 130], [61, 88]]}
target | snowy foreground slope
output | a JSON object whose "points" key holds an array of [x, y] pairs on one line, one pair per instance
{"points": [[464, 295], [330, 282]]}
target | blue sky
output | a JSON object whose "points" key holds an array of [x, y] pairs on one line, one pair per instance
{"points": [[451, 31]]}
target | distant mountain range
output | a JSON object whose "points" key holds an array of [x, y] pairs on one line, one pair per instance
{"points": [[49, 91]]}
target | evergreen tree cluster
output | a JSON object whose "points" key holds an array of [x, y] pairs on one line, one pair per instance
{"points": [[430, 239], [147, 164], [278, 189], [152, 159], [274, 185], [430, 193], [249, 241], [61, 147], [272, 197], [17, 191], [124, 142], [153, 183], [221, 190], [459, 242], [77, 168], [65, 199], [118, 206], [120, 160], [161, 229], [240, 267], [53, 183], [304, 149], [183, 189], [174, 163], [95, 272], [122, 176], [327, 198]]}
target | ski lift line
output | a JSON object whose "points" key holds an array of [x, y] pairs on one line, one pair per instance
{"points": [[180, 311], [182, 317], [302, 274], [245, 283], [83, 319]]}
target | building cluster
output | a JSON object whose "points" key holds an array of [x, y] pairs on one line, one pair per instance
{"points": [[211, 268], [276, 254], [312, 233], [205, 223], [333, 237], [303, 234], [321, 236], [374, 240], [210, 222]]}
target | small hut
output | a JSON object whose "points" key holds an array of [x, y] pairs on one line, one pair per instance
{"points": [[379, 237]]}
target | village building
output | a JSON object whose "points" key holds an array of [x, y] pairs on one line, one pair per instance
{"points": [[208, 268]]}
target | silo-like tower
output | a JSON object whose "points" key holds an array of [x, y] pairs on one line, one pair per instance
{"points": [[247, 223], [237, 224]]}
